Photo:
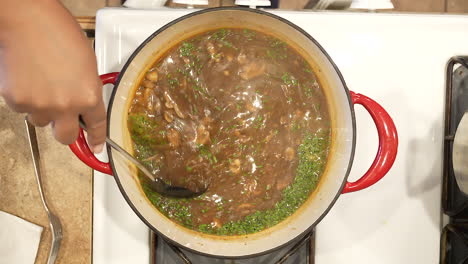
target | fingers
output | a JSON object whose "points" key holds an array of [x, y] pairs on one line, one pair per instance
{"points": [[16, 103], [65, 129], [95, 120], [39, 119]]}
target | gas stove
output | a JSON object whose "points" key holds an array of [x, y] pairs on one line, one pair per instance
{"points": [[301, 252], [398, 60], [454, 239]]}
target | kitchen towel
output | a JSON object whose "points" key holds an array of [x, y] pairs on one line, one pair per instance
{"points": [[19, 240]]}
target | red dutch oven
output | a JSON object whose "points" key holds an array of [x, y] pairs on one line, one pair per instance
{"points": [[340, 102]]}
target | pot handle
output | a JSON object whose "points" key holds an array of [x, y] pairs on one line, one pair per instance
{"points": [[80, 147], [388, 144]]}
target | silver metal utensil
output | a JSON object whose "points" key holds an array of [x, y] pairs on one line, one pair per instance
{"points": [[323, 4], [54, 221], [154, 182], [460, 154], [328, 4]]}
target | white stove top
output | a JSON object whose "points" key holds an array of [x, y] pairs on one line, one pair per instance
{"points": [[396, 59]]}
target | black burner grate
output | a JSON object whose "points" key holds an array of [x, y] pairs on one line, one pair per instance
{"points": [[301, 252], [454, 240]]}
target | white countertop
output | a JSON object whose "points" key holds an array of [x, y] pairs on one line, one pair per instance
{"points": [[396, 59]]}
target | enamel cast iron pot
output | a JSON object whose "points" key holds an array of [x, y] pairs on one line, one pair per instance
{"points": [[343, 126]]}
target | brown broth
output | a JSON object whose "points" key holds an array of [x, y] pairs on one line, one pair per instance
{"points": [[240, 111]]}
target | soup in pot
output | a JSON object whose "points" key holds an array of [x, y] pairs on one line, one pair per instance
{"points": [[237, 110]]}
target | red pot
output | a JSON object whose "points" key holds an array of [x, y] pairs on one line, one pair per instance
{"points": [[340, 102]]}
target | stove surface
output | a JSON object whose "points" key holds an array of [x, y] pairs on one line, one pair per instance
{"points": [[398, 60]]}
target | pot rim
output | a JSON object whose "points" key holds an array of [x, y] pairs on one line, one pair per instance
{"points": [[260, 12]]}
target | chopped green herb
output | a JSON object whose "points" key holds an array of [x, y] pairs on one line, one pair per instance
{"points": [[216, 56], [186, 49], [206, 154], [288, 79], [242, 147], [143, 130], [194, 109], [185, 72], [270, 54], [312, 153], [220, 34], [278, 43], [296, 126], [309, 92], [173, 82], [278, 50], [205, 228], [227, 44], [258, 121], [249, 34], [307, 67], [174, 208]]}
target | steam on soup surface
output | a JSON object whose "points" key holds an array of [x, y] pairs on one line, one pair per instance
{"points": [[240, 111]]}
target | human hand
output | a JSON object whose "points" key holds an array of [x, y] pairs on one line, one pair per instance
{"points": [[48, 70]]}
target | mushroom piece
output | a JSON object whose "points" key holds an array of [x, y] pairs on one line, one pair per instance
{"points": [[148, 94], [157, 105], [270, 136], [173, 137], [216, 223], [252, 70], [178, 112], [283, 120], [235, 166], [249, 106], [168, 116], [289, 154], [152, 76], [210, 48], [169, 102], [208, 122], [282, 183], [245, 206], [203, 135], [148, 84], [242, 58]]}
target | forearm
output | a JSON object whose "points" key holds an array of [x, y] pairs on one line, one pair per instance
{"points": [[18, 16], [42, 38]]}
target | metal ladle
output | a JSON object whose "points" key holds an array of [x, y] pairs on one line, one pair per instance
{"points": [[154, 182]]}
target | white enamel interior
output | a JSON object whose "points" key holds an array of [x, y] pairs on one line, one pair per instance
{"points": [[340, 157]]}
